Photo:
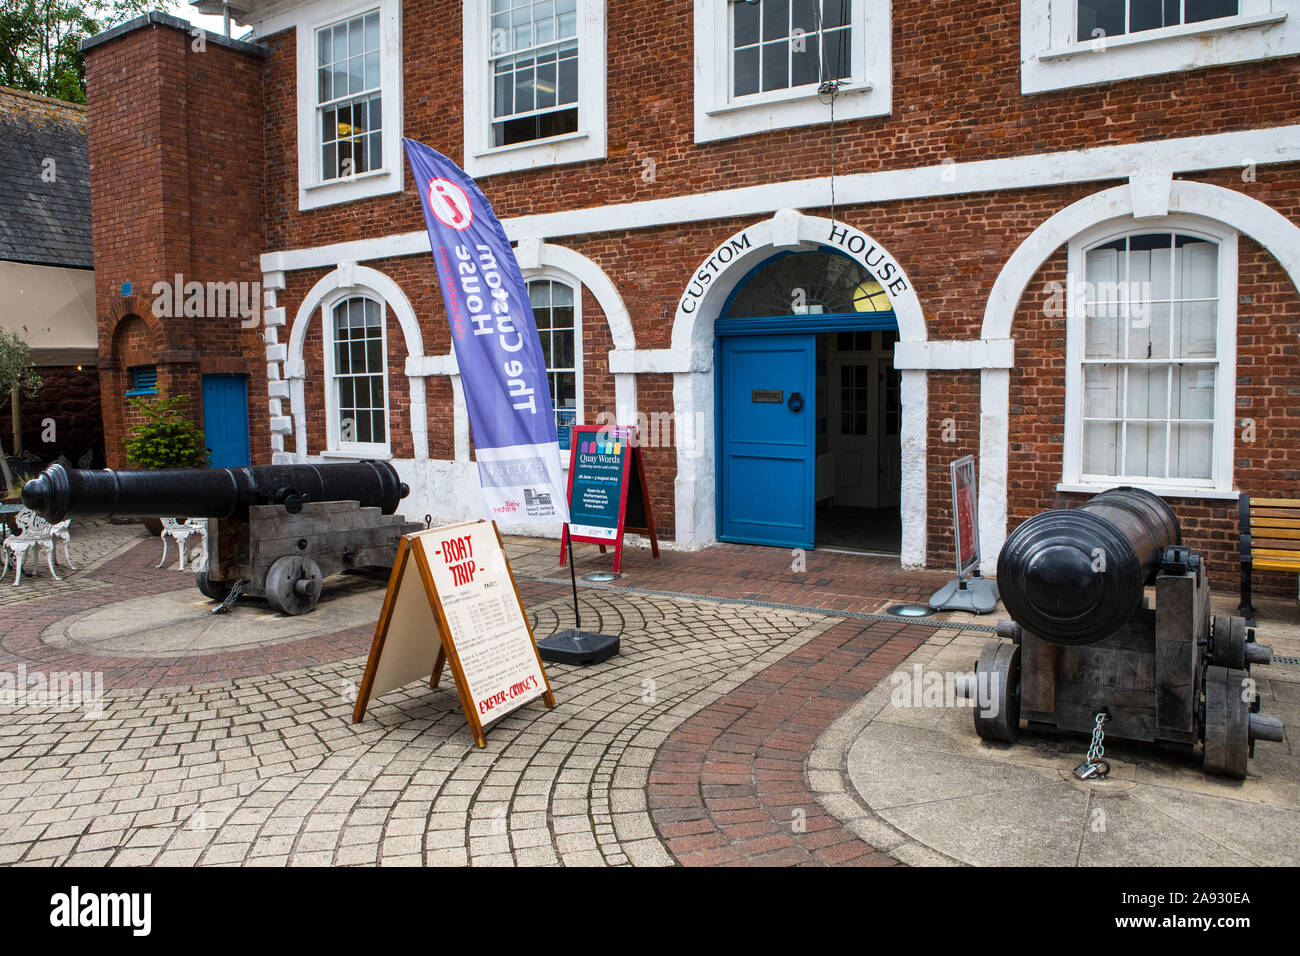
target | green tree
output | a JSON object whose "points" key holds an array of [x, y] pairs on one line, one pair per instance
{"points": [[167, 439], [17, 376], [39, 42]]}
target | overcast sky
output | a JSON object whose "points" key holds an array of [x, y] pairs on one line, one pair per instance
{"points": [[183, 10]]}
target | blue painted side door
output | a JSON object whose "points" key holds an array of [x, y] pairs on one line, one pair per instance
{"points": [[225, 420], [767, 439]]}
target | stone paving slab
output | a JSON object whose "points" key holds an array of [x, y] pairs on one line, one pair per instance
{"points": [[270, 769], [919, 783], [720, 735]]}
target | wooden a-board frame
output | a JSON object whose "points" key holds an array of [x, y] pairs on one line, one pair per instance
{"points": [[633, 469], [446, 643]]}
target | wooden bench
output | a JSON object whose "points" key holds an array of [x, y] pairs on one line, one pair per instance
{"points": [[1270, 541]]}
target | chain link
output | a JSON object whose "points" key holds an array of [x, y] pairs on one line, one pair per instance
{"points": [[1096, 750], [1094, 766]]}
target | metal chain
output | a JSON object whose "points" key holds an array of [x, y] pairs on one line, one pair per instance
{"points": [[1096, 751], [236, 590], [1094, 767]]}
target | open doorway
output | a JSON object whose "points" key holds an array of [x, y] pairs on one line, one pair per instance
{"points": [[858, 452], [808, 407]]}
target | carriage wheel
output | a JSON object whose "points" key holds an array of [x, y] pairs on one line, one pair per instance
{"points": [[217, 590], [1227, 722], [1229, 636], [293, 584], [997, 704]]}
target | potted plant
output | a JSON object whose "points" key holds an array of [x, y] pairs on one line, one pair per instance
{"points": [[166, 439]]}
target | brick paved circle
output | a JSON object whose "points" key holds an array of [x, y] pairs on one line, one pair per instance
{"points": [[729, 786], [270, 769], [216, 750]]}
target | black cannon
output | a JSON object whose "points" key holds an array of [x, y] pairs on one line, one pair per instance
{"points": [[1084, 640], [274, 531]]}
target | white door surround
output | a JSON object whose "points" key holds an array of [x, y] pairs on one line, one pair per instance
{"points": [[690, 360]]}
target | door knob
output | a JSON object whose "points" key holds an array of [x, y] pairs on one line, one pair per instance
{"points": [[796, 402]]}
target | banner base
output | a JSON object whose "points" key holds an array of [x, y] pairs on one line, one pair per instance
{"points": [[578, 647], [974, 594]]}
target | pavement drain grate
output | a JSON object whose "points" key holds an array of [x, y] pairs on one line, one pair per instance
{"points": [[828, 612]]}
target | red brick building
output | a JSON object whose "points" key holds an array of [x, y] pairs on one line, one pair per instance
{"points": [[1058, 235]]}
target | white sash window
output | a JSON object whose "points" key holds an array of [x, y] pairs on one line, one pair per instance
{"points": [[1067, 43], [1150, 360], [772, 64], [356, 374], [534, 83], [556, 308]]}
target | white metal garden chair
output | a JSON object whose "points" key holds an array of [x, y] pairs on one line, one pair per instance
{"points": [[35, 532], [180, 529]]}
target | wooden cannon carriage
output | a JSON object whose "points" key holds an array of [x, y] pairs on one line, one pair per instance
{"points": [[274, 531], [1085, 640]]}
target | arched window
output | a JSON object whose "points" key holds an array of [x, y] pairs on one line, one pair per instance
{"points": [[557, 307], [1150, 359], [808, 283], [356, 374]]}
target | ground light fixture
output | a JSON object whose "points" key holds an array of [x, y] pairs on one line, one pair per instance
{"points": [[909, 610]]}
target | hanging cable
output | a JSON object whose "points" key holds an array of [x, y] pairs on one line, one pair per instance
{"points": [[826, 87]]}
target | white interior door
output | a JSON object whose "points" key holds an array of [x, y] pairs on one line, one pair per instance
{"points": [[864, 420], [853, 383]]}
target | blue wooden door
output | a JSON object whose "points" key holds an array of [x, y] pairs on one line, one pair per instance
{"points": [[767, 439], [225, 420]]}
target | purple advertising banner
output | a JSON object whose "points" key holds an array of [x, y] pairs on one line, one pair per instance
{"points": [[497, 348]]}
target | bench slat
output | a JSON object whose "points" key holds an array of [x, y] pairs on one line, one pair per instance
{"points": [[1267, 546], [1284, 513], [1261, 520], [1271, 556], [1265, 531], [1274, 503]]}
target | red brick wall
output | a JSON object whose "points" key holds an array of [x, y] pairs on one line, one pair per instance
{"points": [[953, 431], [68, 396], [176, 188], [956, 74], [956, 96]]}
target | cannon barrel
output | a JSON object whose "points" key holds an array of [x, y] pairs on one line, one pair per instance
{"points": [[60, 492], [1076, 576]]}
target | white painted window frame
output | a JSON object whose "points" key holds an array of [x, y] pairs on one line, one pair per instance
{"points": [[334, 446], [559, 275], [719, 115], [313, 191], [1220, 484], [588, 142], [1052, 57]]}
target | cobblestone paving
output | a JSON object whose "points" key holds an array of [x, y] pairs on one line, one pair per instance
{"points": [[93, 542], [695, 746], [824, 579], [270, 770]]}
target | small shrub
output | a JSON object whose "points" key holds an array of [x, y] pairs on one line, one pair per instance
{"points": [[167, 439]]}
